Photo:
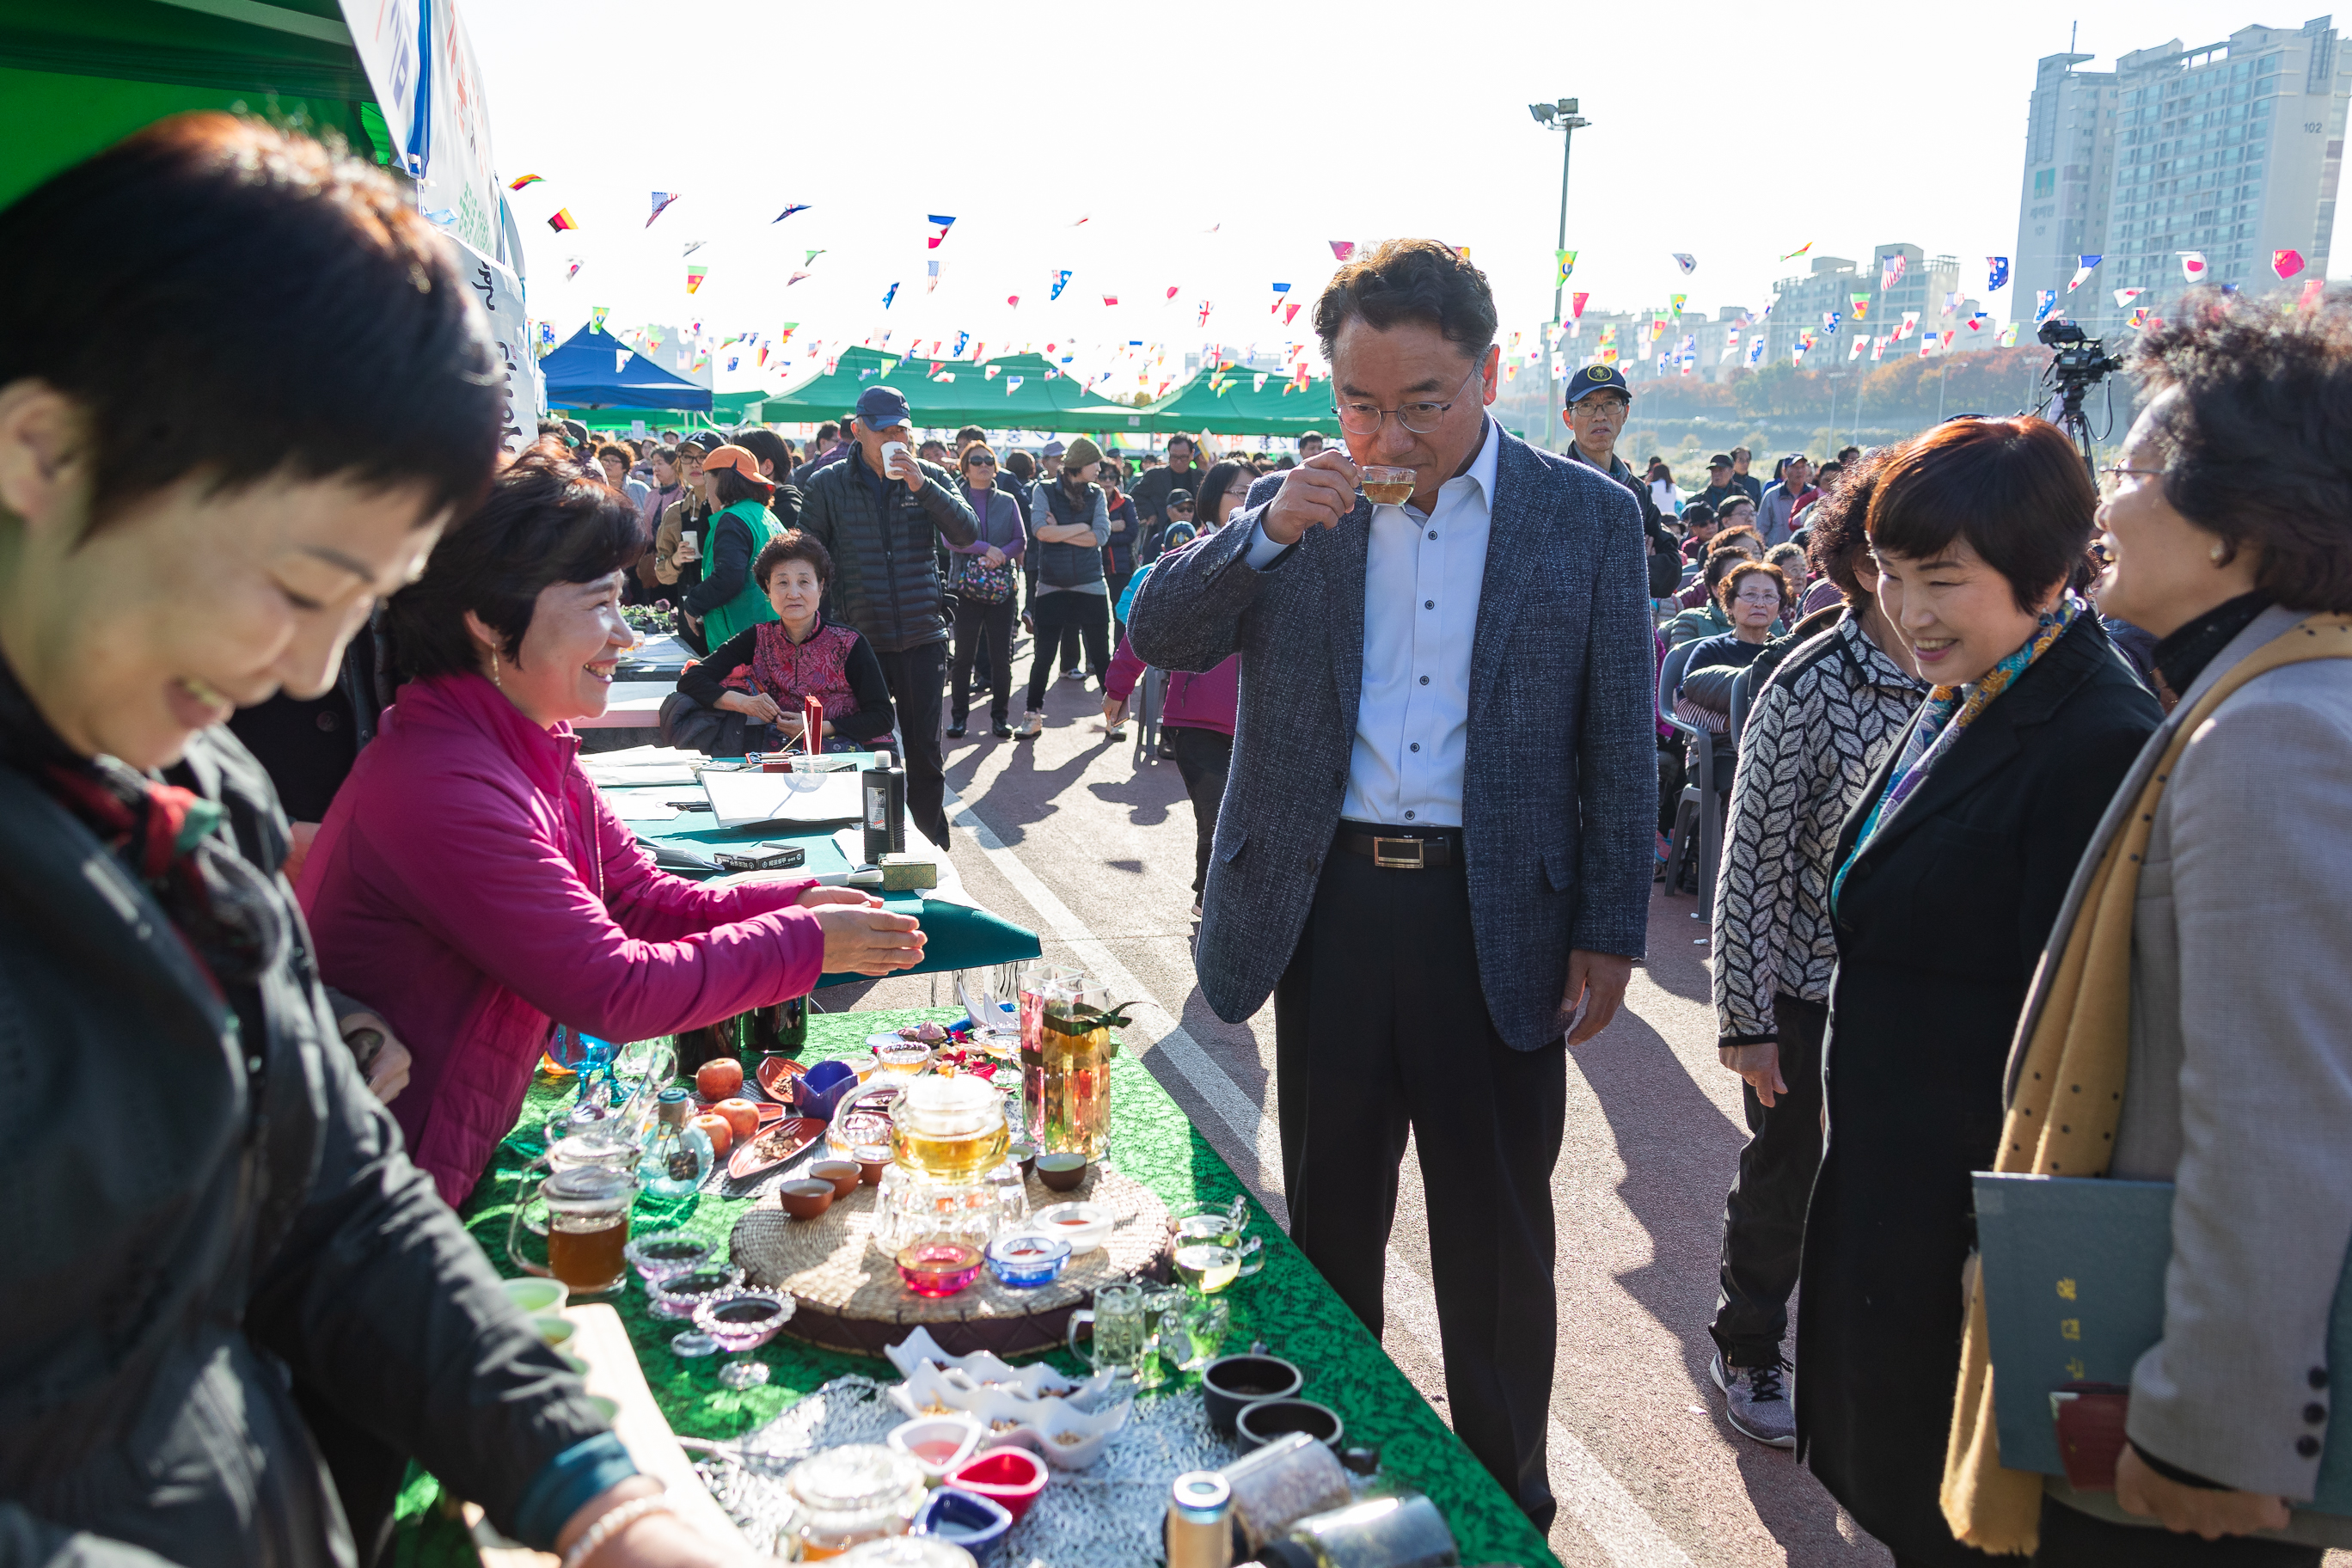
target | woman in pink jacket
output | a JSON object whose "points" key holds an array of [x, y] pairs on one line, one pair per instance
{"points": [[471, 884]]}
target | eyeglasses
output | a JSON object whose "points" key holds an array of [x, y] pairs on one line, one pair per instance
{"points": [[2111, 479], [1420, 418], [1771, 600]]}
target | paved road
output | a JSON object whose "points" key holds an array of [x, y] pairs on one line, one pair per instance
{"points": [[1066, 834]]}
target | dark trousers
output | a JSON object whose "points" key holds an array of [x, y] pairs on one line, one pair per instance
{"points": [[2071, 1539], [1089, 613], [1380, 1028], [1764, 1218], [987, 630], [1119, 582], [915, 677], [1203, 757]]}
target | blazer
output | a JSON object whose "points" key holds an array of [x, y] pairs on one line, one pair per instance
{"points": [[1939, 927], [2241, 1083], [1560, 789]]}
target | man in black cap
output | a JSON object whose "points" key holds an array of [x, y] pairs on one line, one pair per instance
{"points": [[1599, 404], [1720, 482], [880, 512]]}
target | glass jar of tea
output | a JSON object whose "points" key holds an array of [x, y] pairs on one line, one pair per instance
{"points": [[586, 1227], [951, 1129], [1067, 1048]]}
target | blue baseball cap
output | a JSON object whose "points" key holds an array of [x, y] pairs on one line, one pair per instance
{"points": [[1595, 378], [879, 407]]}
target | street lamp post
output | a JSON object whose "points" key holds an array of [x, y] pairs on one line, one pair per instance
{"points": [[1561, 116]]}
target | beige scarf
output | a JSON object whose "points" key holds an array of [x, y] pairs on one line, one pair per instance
{"points": [[2081, 1040]]}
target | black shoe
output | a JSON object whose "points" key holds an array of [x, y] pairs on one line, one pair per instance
{"points": [[1001, 732], [955, 731]]}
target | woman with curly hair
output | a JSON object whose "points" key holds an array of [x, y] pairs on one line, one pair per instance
{"points": [[2199, 973]]}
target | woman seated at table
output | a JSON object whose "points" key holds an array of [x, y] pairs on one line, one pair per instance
{"points": [[767, 672], [470, 878]]}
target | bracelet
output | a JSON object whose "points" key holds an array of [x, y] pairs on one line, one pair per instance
{"points": [[611, 1523]]}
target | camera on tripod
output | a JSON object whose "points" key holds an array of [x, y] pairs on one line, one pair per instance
{"points": [[2079, 363]]}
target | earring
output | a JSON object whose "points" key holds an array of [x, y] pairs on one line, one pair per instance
{"points": [[2219, 552], [494, 671]]}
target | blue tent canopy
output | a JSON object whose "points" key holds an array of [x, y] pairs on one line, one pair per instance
{"points": [[593, 369]]}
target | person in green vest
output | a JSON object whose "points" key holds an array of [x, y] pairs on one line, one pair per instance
{"points": [[727, 601]]}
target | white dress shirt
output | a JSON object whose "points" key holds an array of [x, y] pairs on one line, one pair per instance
{"points": [[1423, 576]]}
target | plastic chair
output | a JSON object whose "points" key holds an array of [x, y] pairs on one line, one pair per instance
{"points": [[1743, 699], [1151, 698]]}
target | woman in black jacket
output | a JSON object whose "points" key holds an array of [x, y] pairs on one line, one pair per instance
{"points": [[233, 1310], [1950, 872]]}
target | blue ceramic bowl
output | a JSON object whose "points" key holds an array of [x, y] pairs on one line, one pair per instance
{"points": [[818, 1091], [1025, 1261], [963, 1518]]}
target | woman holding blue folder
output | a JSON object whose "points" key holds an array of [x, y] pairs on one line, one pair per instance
{"points": [[2192, 1020]]}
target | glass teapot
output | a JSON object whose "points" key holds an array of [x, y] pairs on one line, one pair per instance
{"points": [[951, 1129]]}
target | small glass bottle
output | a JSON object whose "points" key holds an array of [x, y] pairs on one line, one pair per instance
{"points": [[678, 1154], [1404, 1529]]}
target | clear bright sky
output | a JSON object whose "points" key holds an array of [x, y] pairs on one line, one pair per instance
{"points": [[1732, 131]]}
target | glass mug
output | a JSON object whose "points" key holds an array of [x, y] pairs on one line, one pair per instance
{"points": [[586, 1227], [1120, 1340]]}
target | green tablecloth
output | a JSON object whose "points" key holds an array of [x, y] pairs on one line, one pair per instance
{"points": [[956, 936], [1288, 1305]]}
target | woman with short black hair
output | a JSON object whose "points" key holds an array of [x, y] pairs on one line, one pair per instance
{"points": [[1949, 873], [470, 875], [767, 672], [232, 1318]]}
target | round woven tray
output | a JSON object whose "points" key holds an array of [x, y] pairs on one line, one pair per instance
{"points": [[847, 1296]]}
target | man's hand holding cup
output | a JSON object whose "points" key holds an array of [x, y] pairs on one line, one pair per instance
{"points": [[1318, 493]]}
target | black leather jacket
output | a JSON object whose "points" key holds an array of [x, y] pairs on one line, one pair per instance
{"points": [[886, 571], [210, 1218]]}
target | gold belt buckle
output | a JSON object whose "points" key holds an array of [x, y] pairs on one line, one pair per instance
{"points": [[1392, 859]]}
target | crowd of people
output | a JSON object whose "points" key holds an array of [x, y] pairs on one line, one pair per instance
{"points": [[2030, 861]]}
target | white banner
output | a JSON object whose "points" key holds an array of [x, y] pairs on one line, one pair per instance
{"points": [[417, 54], [501, 297]]}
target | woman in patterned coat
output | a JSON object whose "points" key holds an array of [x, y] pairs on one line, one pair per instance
{"points": [[1822, 723]]}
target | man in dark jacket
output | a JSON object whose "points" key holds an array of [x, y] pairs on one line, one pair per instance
{"points": [[881, 518], [1150, 492], [1599, 402]]}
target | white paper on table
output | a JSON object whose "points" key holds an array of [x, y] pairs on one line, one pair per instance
{"points": [[641, 765], [640, 808], [738, 800]]}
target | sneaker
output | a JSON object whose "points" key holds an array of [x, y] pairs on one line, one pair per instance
{"points": [[1116, 732], [1032, 725], [1196, 909], [1074, 674], [1001, 732], [955, 731], [1757, 1400]]}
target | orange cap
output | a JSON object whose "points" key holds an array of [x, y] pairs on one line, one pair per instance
{"points": [[738, 458]]}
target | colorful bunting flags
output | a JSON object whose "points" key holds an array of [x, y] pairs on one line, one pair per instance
{"points": [[1687, 261], [1110, 298], [1567, 259], [662, 200], [563, 220], [798, 273], [2126, 296], [597, 315], [1980, 320], [1676, 302], [991, 373], [1891, 269], [694, 277], [795, 208], [932, 267], [572, 264], [1854, 350], [1205, 307], [887, 295], [1061, 280], [692, 246], [2192, 264], [940, 227], [1343, 249], [1280, 290], [1010, 383], [2009, 336], [2084, 266], [1910, 324], [1290, 312], [1859, 306], [2044, 302], [1576, 306], [521, 180], [2313, 288], [2139, 318], [2286, 263], [1012, 299], [1800, 250], [1996, 273], [809, 256]]}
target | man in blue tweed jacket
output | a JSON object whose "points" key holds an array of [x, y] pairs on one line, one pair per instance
{"points": [[1433, 850]]}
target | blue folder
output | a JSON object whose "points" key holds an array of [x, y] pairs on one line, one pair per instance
{"points": [[2074, 1279]]}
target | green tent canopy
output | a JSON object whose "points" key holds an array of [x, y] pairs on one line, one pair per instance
{"points": [[78, 78], [1039, 402], [1278, 408]]}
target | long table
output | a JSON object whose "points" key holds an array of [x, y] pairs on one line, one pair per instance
{"points": [[956, 935], [1288, 1305]]}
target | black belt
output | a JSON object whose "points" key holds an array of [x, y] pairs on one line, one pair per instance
{"points": [[1399, 849]]}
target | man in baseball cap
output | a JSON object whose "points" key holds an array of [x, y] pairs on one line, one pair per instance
{"points": [[1599, 404], [880, 407]]}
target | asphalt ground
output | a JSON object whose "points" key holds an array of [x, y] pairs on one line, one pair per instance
{"points": [[1069, 835]]}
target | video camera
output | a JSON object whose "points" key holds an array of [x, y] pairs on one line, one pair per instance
{"points": [[2080, 363]]}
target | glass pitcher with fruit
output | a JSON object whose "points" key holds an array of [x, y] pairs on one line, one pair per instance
{"points": [[1065, 1055]]}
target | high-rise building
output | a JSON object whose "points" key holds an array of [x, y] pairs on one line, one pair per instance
{"points": [[2230, 151], [1927, 287]]}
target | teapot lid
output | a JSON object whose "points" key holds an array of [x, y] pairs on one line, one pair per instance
{"points": [[588, 1183]]}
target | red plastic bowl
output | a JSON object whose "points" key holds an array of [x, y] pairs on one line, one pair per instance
{"points": [[1010, 1477]]}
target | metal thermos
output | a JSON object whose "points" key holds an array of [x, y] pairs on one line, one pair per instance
{"points": [[883, 790], [1200, 1525]]}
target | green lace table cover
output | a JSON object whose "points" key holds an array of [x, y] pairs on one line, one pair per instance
{"points": [[1288, 1305]]}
